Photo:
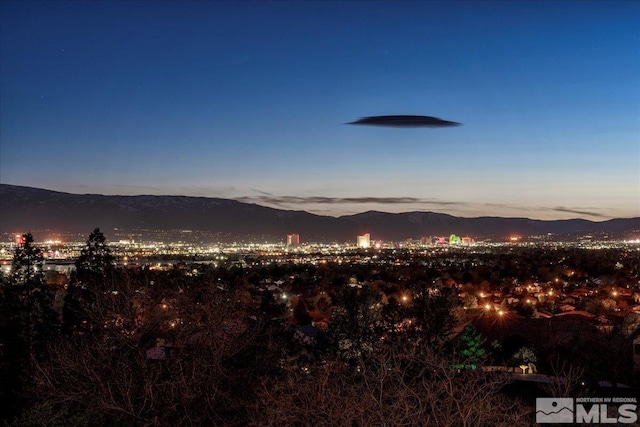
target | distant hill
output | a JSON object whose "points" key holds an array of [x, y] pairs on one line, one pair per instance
{"points": [[25, 208]]}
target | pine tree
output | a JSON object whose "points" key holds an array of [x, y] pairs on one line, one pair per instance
{"points": [[469, 346], [26, 267], [95, 261], [89, 282], [27, 322], [27, 300]]}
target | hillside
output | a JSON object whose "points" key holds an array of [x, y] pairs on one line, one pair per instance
{"points": [[25, 208]]}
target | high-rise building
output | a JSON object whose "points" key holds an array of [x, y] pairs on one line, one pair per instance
{"points": [[293, 239], [364, 241]]}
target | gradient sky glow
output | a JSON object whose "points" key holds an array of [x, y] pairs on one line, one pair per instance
{"points": [[248, 100]]}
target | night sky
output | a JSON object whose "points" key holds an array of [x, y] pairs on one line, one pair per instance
{"points": [[250, 100]]}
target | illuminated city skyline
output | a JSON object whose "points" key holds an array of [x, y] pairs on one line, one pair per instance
{"points": [[364, 241], [249, 101]]}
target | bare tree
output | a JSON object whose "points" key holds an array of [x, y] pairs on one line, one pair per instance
{"points": [[107, 377], [564, 380], [396, 387]]}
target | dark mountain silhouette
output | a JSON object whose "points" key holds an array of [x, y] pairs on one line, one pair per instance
{"points": [[25, 208]]}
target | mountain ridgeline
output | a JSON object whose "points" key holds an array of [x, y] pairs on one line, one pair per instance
{"points": [[25, 208]]}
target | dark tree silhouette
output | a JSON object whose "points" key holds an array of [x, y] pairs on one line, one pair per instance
{"points": [[432, 309], [301, 313], [352, 328], [26, 266], [95, 258], [27, 322], [93, 276]]}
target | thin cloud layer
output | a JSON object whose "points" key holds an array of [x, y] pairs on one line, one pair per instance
{"points": [[281, 200], [579, 212], [289, 201]]}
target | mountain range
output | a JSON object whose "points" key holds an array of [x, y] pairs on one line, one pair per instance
{"points": [[26, 208]]}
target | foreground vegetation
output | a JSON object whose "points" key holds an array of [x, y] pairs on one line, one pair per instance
{"points": [[197, 345]]}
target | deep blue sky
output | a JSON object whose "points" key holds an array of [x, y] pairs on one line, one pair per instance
{"points": [[248, 100]]}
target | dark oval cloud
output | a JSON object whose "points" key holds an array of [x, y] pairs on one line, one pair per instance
{"points": [[404, 121]]}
